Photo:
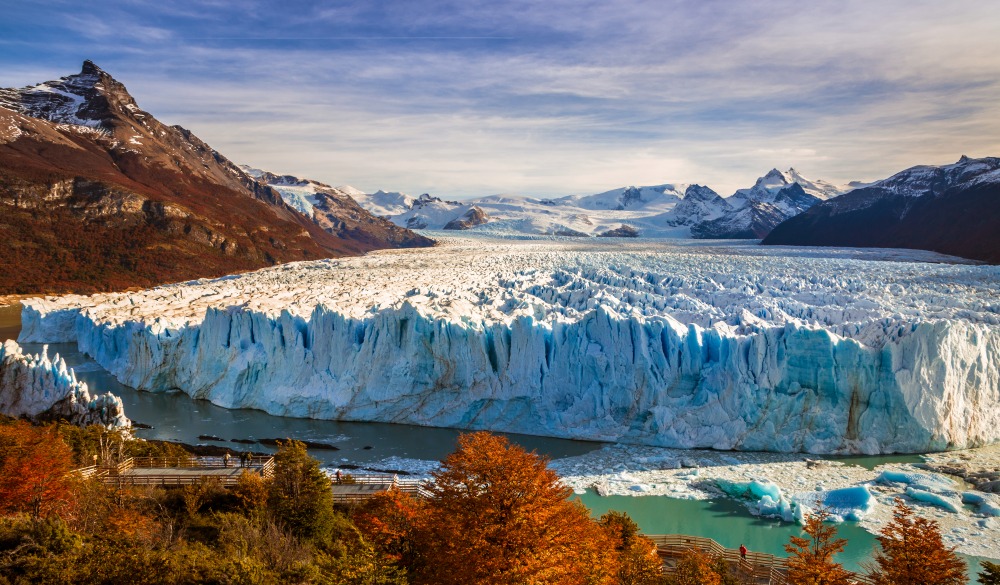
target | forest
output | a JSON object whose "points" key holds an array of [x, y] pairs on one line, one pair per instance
{"points": [[495, 514]]}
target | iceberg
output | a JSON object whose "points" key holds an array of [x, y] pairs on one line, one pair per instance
{"points": [[943, 501], [987, 504], [40, 387], [674, 345]]}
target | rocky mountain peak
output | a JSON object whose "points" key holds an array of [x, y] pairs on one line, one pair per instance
{"points": [[90, 98], [700, 193]]}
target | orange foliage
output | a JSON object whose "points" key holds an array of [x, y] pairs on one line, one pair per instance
{"points": [[388, 520], [497, 515], [913, 553], [811, 561], [34, 463], [695, 568]]}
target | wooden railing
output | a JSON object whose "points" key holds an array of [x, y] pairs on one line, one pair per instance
{"points": [[88, 472], [757, 567], [414, 487], [124, 473]]}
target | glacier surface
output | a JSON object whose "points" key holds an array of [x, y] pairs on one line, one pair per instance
{"points": [[41, 387], [677, 344]]}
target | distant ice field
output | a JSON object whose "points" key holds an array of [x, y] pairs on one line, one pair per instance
{"points": [[664, 342]]}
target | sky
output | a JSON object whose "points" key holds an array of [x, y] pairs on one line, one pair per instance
{"points": [[545, 97]]}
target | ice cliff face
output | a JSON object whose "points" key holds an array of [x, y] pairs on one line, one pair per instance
{"points": [[39, 387], [649, 342]]}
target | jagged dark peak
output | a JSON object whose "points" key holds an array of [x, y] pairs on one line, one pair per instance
{"points": [[699, 192], [90, 98], [91, 68]]}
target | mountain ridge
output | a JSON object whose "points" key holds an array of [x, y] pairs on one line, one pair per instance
{"points": [[952, 209], [97, 194]]}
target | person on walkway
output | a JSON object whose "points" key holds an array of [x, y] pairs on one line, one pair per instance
{"points": [[338, 476], [225, 459], [243, 458], [743, 552]]}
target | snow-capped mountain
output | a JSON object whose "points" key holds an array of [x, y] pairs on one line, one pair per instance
{"points": [[699, 204], [652, 198], [336, 210], [954, 209], [668, 210], [107, 197], [755, 211]]}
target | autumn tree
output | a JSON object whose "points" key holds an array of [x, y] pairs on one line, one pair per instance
{"points": [[695, 568], [811, 561], [34, 467], [497, 515], [913, 553], [638, 561], [990, 574], [389, 521]]}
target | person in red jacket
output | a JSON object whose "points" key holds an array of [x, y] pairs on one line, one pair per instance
{"points": [[743, 552]]}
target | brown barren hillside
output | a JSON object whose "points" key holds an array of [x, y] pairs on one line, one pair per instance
{"points": [[96, 194]]}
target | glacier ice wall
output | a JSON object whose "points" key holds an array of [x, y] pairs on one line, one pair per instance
{"points": [[591, 349], [39, 387]]}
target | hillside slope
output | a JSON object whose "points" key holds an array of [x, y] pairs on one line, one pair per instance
{"points": [[96, 194], [952, 209]]}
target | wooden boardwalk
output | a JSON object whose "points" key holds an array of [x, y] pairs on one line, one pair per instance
{"points": [[357, 488], [757, 568], [174, 471]]}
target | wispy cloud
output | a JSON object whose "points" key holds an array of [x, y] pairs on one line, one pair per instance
{"points": [[474, 97]]}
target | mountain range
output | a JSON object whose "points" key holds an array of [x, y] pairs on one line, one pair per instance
{"points": [[953, 209], [97, 194], [669, 210]]}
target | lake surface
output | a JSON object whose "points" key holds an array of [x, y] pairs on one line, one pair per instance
{"points": [[178, 417]]}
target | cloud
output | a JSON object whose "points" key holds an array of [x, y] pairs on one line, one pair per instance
{"points": [[476, 97]]}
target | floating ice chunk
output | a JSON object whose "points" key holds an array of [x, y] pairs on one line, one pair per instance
{"points": [[987, 504], [930, 482], [763, 498], [940, 500], [850, 503]]}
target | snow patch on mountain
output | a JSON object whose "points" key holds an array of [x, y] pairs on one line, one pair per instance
{"points": [[657, 211]]}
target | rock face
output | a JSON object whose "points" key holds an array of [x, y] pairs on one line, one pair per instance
{"points": [[45, 389], [714, 347], [753, 213], [473, 217], [952, 209], [96, 194], [624, 231]]}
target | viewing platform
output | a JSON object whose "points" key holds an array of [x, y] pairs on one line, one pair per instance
{"points": [[756, 568], [356, 488], [175, 471]]}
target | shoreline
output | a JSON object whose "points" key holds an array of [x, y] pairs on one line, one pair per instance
{"points": [[637, 471]]}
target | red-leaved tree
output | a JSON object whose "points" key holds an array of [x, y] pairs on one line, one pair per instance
{"points": [[34, 467]]}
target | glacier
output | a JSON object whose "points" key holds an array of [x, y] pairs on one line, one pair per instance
{"points": [[40, 387], [674, 344]]}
